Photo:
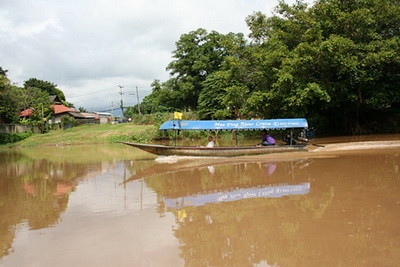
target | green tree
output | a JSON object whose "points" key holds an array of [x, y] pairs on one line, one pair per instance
{"points": [[48, 87], [164, 98], [4, 81], [4, 84], [336, 61], [336, 55], [34, 96], [198, 55], [222, 97], [3, 72], [211, 98], [15, 99], [361, 43]]}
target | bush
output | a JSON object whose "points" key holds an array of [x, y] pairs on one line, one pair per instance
{"points": [[6, 138], [68, 122]]}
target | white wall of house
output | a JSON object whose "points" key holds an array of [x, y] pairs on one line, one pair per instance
{"points": [[104, 120]]}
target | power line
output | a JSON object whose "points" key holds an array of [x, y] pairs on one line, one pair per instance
{"points": [[103, 90], [138, 85], [109, 88]]}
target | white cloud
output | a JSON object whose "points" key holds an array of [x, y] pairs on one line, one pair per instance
{"points": [[88, 46]]}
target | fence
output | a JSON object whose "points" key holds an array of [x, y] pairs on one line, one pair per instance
{"points": [[18, 128], [22, 128]]}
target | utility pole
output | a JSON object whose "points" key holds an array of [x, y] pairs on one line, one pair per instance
{"points": [[138, 102], [122, 102]]}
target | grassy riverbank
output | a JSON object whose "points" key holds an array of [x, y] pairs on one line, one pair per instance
{"points": [[92, 134]]}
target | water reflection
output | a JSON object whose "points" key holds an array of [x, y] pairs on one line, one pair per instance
{"points": [[224, 217], [224, 192], [107, 206], [336, 219], [235, 195], [35, 191]]}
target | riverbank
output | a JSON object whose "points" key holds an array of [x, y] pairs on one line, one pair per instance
{"points": [[90, 134], [141, 133]]}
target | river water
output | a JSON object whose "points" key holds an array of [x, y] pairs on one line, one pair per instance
{"points": [[113, 205]]}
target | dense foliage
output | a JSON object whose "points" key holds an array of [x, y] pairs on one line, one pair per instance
{"points": [[34, 95], [6, 138], [48, 87], [335, 63], [198, 59]]}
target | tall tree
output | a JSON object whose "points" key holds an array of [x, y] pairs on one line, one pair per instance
{"points": [[335, 56], [164, 98], [4, 81], [198, 55], [48, 87], [222, 97], [4, 84], [15, 99]]}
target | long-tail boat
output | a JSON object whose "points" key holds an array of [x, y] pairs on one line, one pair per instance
{"points": [[229, 125]]}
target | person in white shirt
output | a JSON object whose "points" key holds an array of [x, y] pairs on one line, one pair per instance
{"points": [[210, 141]]}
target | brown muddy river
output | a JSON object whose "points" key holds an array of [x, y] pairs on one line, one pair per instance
{"points": [[113, 205]]}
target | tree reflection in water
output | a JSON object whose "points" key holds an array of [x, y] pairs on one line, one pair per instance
{"points": [[35, 192]]}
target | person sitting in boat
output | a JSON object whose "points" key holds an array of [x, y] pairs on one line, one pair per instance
{"points": [[267, 139], [210, 141]]}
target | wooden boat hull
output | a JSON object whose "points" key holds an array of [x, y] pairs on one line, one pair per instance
{"points": [[215, 151]]}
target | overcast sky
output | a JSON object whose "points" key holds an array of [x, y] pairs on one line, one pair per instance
{"points": [[91, 47]]}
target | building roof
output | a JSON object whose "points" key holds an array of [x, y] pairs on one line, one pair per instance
{"points": [[90, 115], [25, 113], [76, 115], [61, 108], [55, 99], [57, 110]]}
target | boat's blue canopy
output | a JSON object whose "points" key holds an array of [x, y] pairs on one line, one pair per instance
{"points": [[278, 124]]}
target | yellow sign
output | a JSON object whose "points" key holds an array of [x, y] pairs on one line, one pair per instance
{"points": [[178, 115], [182, 215]]}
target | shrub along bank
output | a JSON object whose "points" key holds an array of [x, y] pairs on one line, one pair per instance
{"points": [[90, 134], [6, 138]]}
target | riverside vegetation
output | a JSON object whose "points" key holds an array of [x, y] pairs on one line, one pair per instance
{"points": [[334, 62], [143, 128], [89, 134]]}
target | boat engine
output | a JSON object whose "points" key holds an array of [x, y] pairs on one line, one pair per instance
{"points": [[307, 134]]}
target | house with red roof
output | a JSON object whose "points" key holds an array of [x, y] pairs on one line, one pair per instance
{"points": [[59, 111], [57, 107]]}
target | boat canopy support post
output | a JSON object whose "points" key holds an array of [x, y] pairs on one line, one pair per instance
{"points": [[176, 135], [234, 138], [177, 130], [291, 137], [216, 135]]}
